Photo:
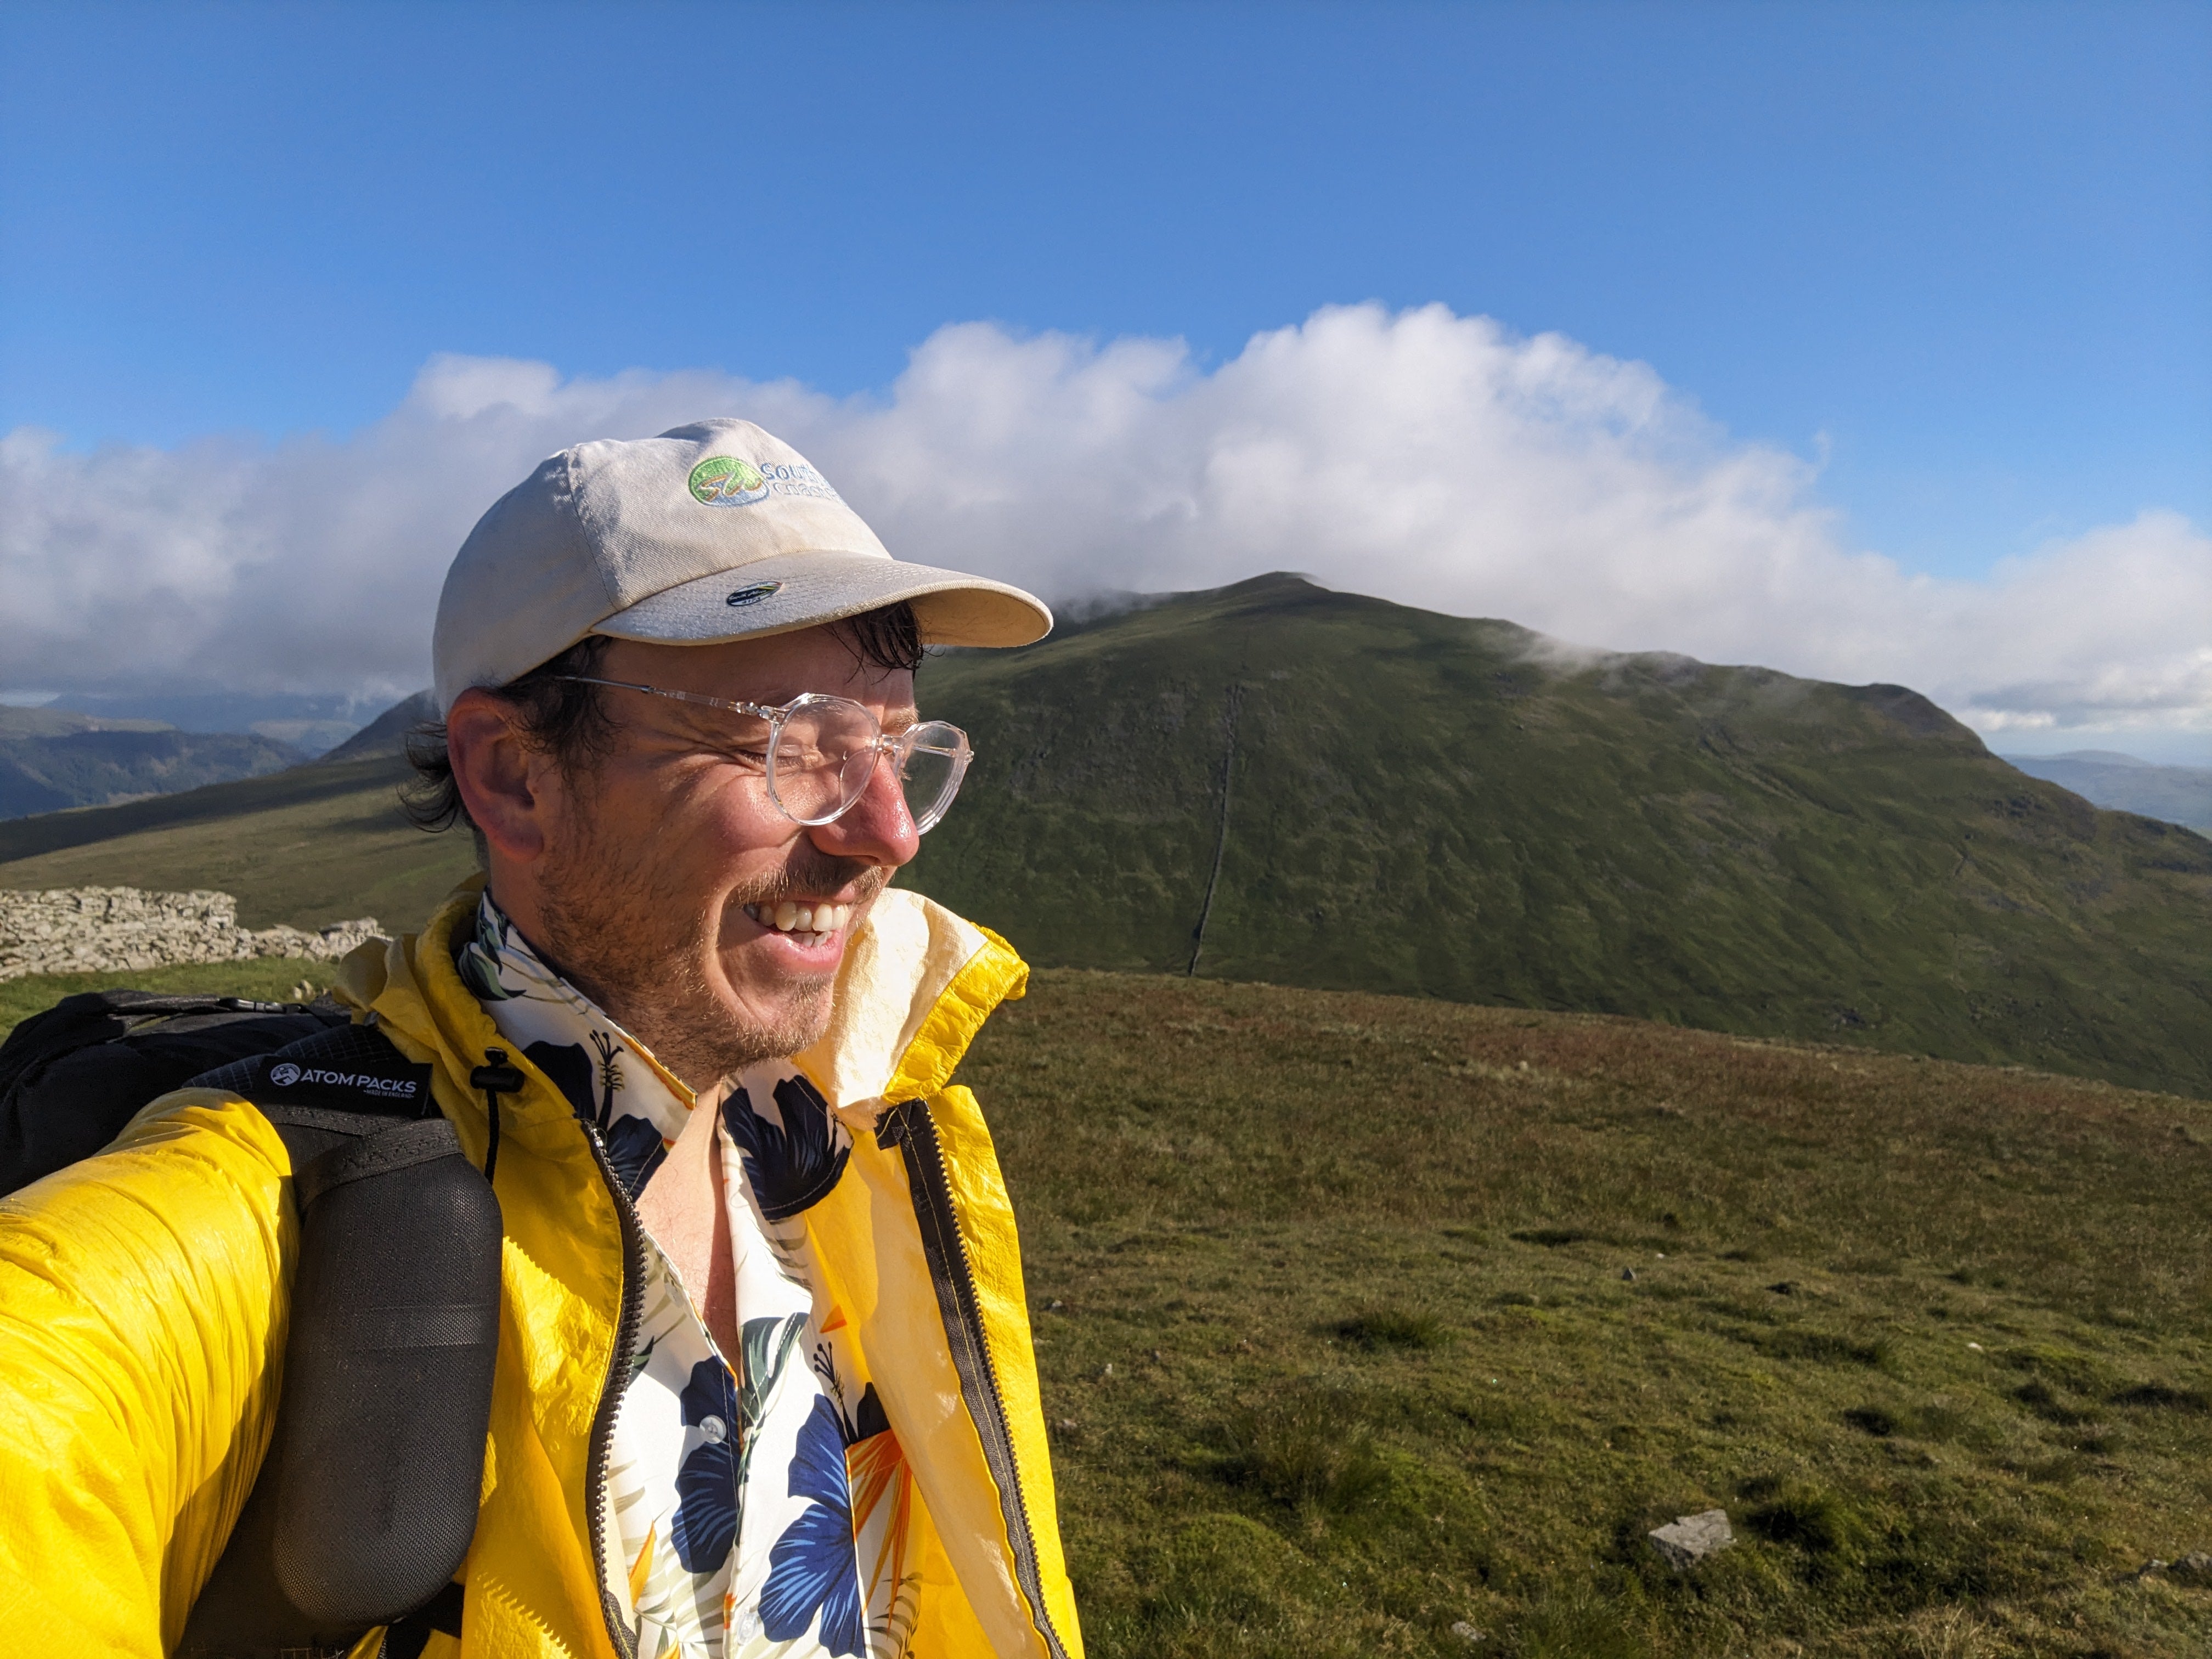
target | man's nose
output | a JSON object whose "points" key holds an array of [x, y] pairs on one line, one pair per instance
{"points": [[877, 827]]}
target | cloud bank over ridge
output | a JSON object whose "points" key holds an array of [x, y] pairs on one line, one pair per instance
{"points": [[1426, 458]]}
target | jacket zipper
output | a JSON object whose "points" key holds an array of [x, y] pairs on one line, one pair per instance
{"points": [[627, 1321], [909, 1128]]}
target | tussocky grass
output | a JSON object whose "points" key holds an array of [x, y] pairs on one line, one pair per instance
{"points": [[1340, 1348]]}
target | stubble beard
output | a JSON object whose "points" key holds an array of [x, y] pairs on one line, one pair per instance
{"points": [[624, 930]]}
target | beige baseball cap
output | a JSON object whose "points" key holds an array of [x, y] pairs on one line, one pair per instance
{"points": [[713, 531]]}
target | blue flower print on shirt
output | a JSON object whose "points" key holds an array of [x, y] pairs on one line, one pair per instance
{"points": [[568, 1069], [705, 1524], [635, 1150], [793, 1166], [811, 1567], [478, 957], [634, 1145]]}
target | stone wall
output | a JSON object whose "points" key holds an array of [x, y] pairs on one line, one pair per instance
{"points": [[75, 930]]}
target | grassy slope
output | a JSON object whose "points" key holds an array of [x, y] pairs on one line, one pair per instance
{"points": [[1337, 1351], [306, 846], [1423, 804]]}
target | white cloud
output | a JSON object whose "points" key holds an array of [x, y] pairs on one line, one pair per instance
{"points": [[1423, 457]]}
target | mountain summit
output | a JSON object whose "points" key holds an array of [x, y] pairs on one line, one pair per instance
{"points": [[1273, 781]]}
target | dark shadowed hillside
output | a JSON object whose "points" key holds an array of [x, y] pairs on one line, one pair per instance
{"points": [[1338, 792], [308, 846], [50, 759]]}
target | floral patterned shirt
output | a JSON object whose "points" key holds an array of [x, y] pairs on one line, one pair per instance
{"points": [[757, 1506]]}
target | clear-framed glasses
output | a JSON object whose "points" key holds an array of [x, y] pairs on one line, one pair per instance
{"points": [[821, 751]]}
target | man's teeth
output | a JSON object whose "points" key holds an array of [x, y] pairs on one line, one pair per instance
{"points": [[791, 917]]}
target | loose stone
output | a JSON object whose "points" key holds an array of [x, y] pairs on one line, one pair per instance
{"points": [[1689, 1539]]}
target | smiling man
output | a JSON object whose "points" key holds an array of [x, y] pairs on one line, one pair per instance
{"points": [[763, 1383]]}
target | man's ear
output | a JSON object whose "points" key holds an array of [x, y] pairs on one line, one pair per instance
{"points": [[503, 780]]}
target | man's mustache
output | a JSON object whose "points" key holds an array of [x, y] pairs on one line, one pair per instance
{"points": [[814, 873]]}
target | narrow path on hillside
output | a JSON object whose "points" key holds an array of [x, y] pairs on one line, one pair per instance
{"points": [[1236, 700]]}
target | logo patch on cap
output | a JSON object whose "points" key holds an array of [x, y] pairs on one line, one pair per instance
{"points": [[752, 595], [726, 481]]}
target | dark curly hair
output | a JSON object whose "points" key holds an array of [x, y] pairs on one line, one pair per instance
{"points": [[569, 721]]}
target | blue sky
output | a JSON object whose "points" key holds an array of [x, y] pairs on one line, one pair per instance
{"points": [[1961, 254], [1865, 342]]}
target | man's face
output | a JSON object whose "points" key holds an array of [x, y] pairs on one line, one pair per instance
{"points": [[666, 861]]}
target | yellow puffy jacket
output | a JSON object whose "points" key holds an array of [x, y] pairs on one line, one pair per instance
{"points": [[143, 1308]]}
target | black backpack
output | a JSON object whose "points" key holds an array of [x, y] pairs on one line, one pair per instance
{"points": [[367, 1500]]}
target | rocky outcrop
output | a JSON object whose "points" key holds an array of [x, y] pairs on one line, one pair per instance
{"points": [[76, 930]]}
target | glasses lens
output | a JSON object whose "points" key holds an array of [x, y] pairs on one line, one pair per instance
{"points": [[828, 749], [820, 762], [935, 759]]}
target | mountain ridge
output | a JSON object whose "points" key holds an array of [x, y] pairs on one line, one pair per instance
{"points": [[387, 734], [101, 762], [1432, 805], [1275, 782]]}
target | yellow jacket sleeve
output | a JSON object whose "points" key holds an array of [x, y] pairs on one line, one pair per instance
{"points": [[142, 1302]]}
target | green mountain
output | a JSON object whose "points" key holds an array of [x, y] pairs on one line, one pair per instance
{"points": [[387, 734], [52, 759], [1276, 783]]}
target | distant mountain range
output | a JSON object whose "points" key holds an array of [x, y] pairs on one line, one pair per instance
{"points": [[312, 723], [2179, 795], [51, 759], [1276, 783], [60, 755]]}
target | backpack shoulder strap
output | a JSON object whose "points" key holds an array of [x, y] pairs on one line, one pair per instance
{"points": [[366, 1501], [351, 1069], [90, 1016], [338, 1084], [71, 1077]]}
